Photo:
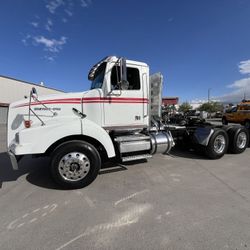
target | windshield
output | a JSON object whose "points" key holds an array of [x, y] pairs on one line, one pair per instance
{"points": [[99, 77], [234, 109]]}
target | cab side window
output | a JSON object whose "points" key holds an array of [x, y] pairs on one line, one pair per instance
{"points": [[133, 77], [234, 109]]}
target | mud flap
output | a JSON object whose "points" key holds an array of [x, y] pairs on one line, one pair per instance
{"points": [[202, 135], [13, 160]]}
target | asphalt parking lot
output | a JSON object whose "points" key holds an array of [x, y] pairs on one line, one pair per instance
{"points": [[177, 201]]}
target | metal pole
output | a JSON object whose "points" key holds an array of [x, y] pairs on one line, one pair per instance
{"points": [[208, 95]]}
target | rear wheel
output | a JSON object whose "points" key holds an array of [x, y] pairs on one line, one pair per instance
{"points": [[224, 121], [217, 145], [75, 164], [238, 140]]}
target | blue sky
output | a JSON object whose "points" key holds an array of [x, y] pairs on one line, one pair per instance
{"points": [[196, 44]]}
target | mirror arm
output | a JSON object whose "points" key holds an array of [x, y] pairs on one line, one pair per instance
{"points": [[30, 104], [123, 69]]}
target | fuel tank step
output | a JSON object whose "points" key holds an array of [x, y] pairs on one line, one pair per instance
{"points": [[136, 157]]}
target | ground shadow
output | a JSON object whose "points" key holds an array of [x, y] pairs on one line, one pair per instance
{"points": [[113, 166], [38, 173], [37, 170], [6, 171], [187, 153], [41, 176]]}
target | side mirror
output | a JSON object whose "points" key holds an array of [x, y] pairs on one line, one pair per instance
{"points": [[123, 71], [124, 84]]}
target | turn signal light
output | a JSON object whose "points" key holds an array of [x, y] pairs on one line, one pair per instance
{"points": [[27, 123]]}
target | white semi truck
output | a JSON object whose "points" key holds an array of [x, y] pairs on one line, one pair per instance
{"points": [[118, 118]]}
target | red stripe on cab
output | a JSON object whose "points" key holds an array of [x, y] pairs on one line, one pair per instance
{"points": [[87, 100]]}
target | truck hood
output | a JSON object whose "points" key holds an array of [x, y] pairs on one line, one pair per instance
{"points": [[47, 99], [50, 108], [70, 98]]}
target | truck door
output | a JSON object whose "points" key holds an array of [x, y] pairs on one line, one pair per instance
{"points": [[231, 115], [124, 105]]}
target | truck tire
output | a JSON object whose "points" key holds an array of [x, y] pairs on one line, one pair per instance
{"points": [[224, 121], [238, 140], [217, 145], [75, 164]]}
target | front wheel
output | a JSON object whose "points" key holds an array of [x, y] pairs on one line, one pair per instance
{"points": [[75, 164], [217, 145]]}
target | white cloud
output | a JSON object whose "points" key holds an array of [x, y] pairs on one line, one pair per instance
{"points": [[51, 45], [68, 12], [57, 10], [49, 58], [49, 24], [25, 39], [244, 67], [85, 3], [53, 5], [241, 87], [240, 84], [241, 90], [35, 24]]}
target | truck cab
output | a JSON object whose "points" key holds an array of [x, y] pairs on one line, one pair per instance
{"points": [[123, 104]]}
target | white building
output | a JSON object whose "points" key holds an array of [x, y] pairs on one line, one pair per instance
{"points": [[197, 103], [12, 90]]}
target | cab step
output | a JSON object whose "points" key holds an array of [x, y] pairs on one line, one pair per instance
{"points": [[136, 157]]}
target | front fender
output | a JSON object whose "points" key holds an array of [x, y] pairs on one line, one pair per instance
{"points": [[93, 130], [37, 139]]}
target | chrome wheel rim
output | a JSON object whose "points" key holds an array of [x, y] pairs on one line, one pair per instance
{"points": [[74, 166], [219, 144], [241, 140]]}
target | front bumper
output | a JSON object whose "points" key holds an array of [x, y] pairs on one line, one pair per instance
{"points": [[13, 160]]}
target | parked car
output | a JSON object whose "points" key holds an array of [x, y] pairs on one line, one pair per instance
{"points": [[192, 113], [218, 114]]}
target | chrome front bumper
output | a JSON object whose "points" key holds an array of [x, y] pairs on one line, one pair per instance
{"points": [[13, 160]]}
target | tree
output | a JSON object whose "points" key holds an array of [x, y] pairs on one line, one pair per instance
{"points": [[184, 107], [211, 107]]}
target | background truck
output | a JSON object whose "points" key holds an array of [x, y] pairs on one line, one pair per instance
{"points": [[118, 118], [239, 114]]}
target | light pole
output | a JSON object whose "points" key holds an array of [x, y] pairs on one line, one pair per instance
{"points": [[208, 95], [208, 99]]}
